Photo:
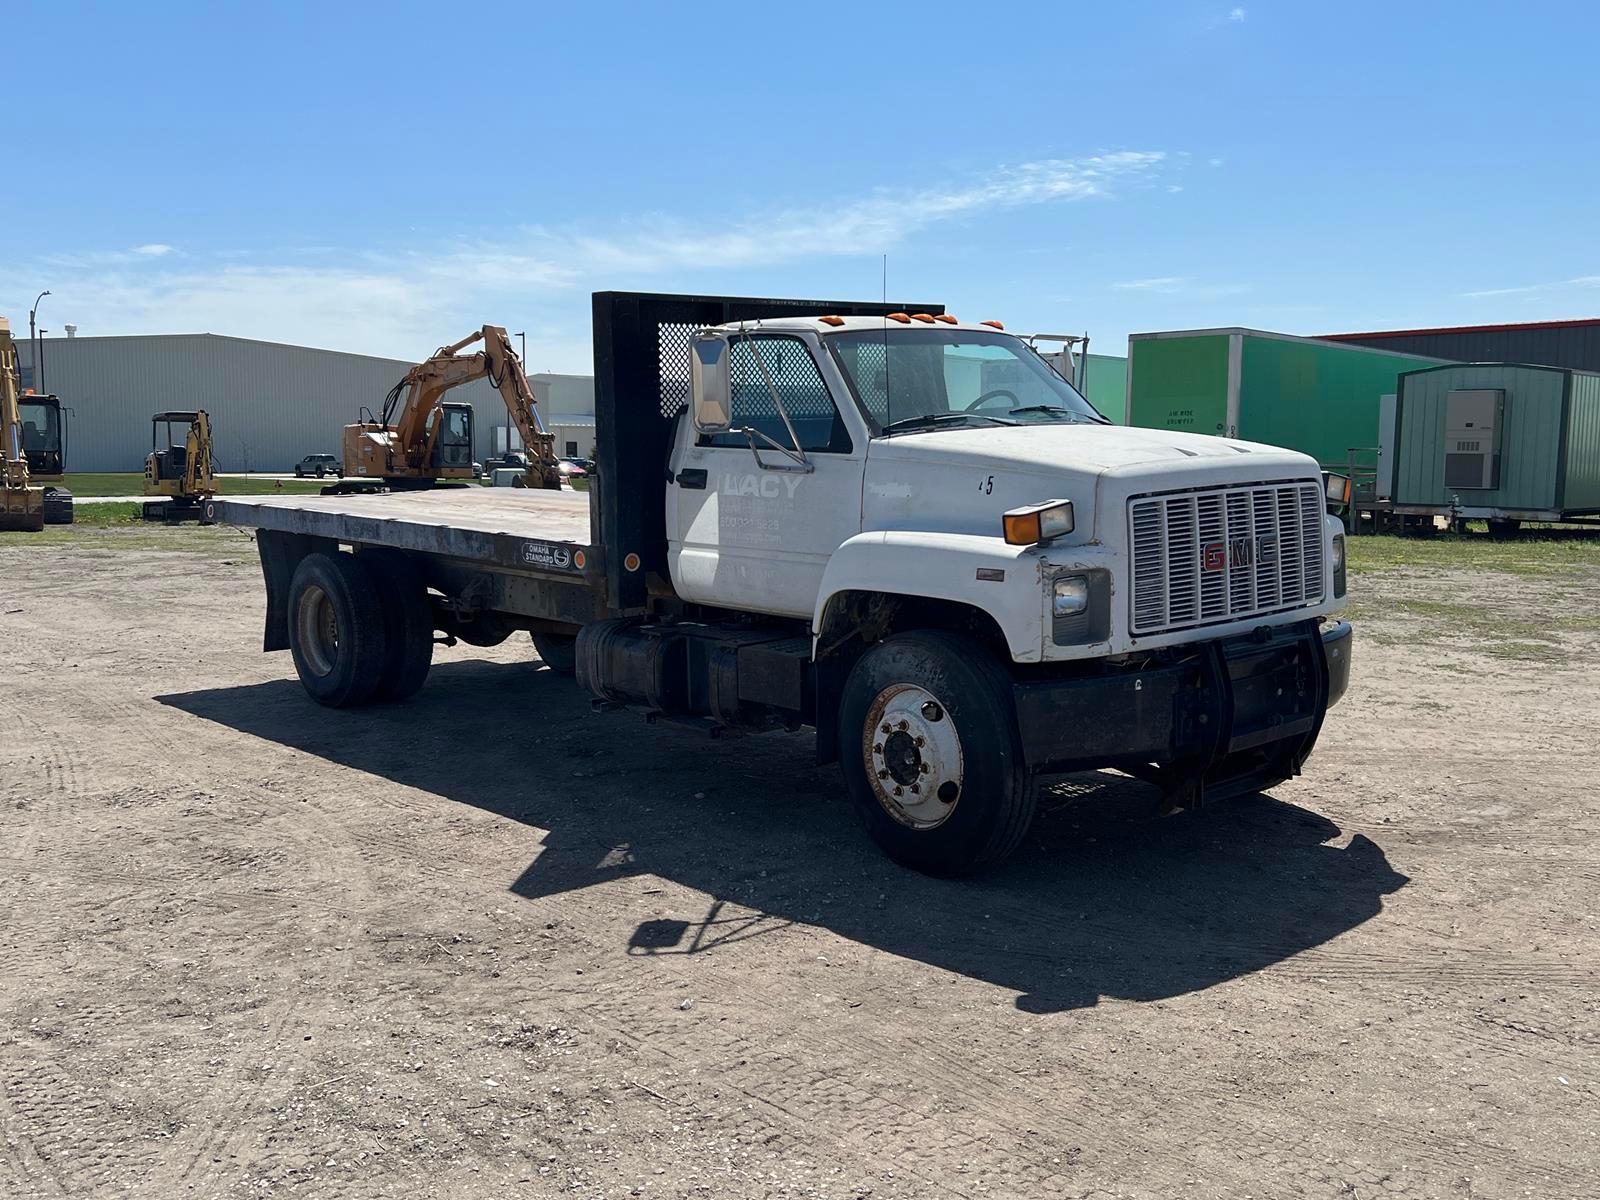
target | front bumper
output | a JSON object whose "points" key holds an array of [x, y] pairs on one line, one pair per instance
{"points": [[1241, 712]]}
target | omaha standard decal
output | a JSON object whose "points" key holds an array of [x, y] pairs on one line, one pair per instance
{"points": [[547, 554]]}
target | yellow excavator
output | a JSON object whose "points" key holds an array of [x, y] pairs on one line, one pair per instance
{"points": [[418, 440], [21, 504], [180, 473]]}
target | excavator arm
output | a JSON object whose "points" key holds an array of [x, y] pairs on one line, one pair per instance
{"points": [[418, 424], [21, 505]]}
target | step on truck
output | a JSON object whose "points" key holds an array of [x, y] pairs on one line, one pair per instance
{"points": [[902, 531]]}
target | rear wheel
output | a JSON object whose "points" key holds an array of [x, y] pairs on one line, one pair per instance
{"points": [[558, 650], [408, 624], [337, 631], [931, 754], [1504, 527]]}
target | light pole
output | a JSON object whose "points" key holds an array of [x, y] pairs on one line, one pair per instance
{"points": [[33, 344], [524, 336]]}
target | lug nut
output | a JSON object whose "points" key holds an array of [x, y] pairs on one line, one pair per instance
{"points": [[899, 791], [923, 767], [904, 725], [921, 742], [915, 790], [883, 774], [888, 728], [877, 747]]}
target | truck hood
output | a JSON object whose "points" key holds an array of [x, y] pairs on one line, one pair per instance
{"points": [[962, 480], [1093, 448]]}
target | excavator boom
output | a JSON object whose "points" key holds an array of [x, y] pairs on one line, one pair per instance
{"points": [[21, 505]]}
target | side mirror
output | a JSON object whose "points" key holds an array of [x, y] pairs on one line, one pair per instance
{"points": [[708, 382]]}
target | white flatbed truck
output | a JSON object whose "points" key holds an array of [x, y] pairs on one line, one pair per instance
{"points": [[904, 532]]}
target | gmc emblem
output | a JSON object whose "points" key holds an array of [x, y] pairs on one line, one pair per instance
{"points": [[1239, 552]]}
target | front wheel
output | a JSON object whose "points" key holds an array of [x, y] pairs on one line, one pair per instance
{"points": [[931, 754]]}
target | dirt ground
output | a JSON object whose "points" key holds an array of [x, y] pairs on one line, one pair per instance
{"points": [[490, 944]]}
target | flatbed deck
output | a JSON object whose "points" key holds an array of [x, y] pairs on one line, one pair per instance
{"points": [[525, 529]]}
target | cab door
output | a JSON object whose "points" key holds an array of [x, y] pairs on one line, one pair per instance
{"points": [[754, 529]]}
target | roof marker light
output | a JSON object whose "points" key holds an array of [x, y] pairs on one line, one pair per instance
{"points": [[992, 324], [901, 317], [925, 318], [946, 318], [831, 320]]}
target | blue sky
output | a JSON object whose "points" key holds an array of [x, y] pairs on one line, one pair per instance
{"points": [[382, 178]]}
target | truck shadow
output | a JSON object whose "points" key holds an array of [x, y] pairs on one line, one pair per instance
{"points": [[1104, 900]]}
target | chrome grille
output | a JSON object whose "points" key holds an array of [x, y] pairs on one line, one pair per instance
{"points": [[1224, 554]]}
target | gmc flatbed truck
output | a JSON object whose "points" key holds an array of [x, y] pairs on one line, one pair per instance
{"points": [[902, 531]]}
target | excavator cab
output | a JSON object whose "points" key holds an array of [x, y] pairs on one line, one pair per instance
{"points": [[453, 449], [44, 445], [179, 471]]}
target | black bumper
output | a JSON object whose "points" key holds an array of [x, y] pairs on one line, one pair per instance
{"points": [[1244, 712]]}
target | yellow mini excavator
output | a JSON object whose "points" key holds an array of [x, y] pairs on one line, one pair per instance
{"points": [[21, 504], [180, 473], [418, 441]]}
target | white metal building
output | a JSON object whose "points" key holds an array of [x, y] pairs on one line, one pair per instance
{"points": [[270, 404]]}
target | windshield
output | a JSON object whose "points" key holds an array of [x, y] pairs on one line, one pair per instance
{"points": [[909, 379], [41, 426]]}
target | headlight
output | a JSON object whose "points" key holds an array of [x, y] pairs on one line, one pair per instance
{"points": [[1038, 522], [1071, 596], [1336, 488]]}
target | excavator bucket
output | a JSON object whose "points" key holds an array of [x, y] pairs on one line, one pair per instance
{"points": [[22, 510]]}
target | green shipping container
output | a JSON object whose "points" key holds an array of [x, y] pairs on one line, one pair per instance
{"points": [[1320, 398], [1498, 440]]}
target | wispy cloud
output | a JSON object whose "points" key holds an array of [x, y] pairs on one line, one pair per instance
{"points": [[1577, 281], [394, 302], [1237, 15], [1181, 285]]}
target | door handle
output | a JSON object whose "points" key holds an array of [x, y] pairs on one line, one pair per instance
{"points": [[692, 477]]}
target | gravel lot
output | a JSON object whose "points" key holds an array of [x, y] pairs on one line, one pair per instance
{"points": [[490, 944]]}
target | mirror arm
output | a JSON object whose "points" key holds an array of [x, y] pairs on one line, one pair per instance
{"points": [[798, 457]]}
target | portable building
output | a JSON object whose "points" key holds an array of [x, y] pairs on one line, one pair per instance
{"points": [[1104, 383], [1503, 441], [1320, 398]]}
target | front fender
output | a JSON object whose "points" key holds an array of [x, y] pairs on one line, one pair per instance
{"points": [[946, 566]]}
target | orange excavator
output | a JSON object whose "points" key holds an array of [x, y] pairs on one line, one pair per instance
{"points": [[418, 440], [21, 504]]}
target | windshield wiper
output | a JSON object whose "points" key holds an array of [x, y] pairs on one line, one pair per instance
{"points": [[1078, 418], [929, 420]]}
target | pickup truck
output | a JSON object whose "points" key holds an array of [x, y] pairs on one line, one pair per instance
{"points": [[902, 531]]}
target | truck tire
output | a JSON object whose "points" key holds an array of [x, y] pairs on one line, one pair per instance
{"points": [[1499, 527], [931, 754], [337, 631], [558, 650], [408, 624], [57, 506]]}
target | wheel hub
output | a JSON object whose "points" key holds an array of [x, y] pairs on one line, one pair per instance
{"points": [[912, 753]]}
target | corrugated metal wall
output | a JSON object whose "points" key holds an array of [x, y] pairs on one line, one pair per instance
{"points": [[270, 404], [1530, 442], [1582, 490], [1576, 345]]}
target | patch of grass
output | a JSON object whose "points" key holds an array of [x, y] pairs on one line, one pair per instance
{"points": [[1561, 552], [130, 483]]}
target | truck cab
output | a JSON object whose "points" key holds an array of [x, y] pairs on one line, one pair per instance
{"points": [[928, 497]]}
